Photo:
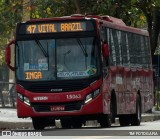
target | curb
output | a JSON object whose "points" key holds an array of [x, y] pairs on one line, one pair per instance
{"points": [[149, 118], [15, 125]]}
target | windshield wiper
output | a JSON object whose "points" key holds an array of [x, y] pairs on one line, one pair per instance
{"points": [[82, 47], [41, 47]]}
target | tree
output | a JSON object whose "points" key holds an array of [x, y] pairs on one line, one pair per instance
{"points": [[77, 5], [51, 8], [136, 13], [151, 9], [10, 13]]}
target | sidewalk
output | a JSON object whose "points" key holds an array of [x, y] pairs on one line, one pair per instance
{"points": [[9, 119]]}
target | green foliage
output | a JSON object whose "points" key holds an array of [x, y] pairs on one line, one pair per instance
{"points": [[131, 15], [133, 12], [54, 8], [10, 13]]}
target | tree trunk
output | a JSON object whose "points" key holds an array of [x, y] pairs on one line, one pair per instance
{"points": [[150, 31], [77, 4], [156, 29], [26, 12]]}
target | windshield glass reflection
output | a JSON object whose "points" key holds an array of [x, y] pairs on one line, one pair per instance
{"points": [[57, 59]]}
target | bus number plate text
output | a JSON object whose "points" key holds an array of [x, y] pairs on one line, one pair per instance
{"points": [[57, 108]]}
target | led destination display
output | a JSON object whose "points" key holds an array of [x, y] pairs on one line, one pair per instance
{"points": [[55, 27]]}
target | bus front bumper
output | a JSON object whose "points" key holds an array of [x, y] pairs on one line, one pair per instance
{"points": [[95, 106]]}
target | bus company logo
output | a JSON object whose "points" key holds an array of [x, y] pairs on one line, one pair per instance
{"points": [[57, 90], [40, 98]]}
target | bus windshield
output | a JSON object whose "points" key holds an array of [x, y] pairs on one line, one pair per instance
{"points": [[57, 59]]}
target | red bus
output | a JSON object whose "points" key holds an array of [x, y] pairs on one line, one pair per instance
{"points": [[80, 68]]}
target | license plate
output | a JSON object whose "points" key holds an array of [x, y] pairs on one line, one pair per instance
{"points": [[57, 108]]}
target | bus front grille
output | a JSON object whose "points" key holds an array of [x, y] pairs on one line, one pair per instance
{"points": [[46, 107]]}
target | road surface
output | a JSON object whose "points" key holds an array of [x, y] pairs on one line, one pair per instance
{"points": [[145, 129]]}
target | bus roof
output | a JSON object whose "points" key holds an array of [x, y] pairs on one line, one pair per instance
{"points": [[106, 20]]}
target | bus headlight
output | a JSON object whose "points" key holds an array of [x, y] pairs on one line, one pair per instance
{"points": [[24, 99], [20, 96], [91, 96], [88, 98]]}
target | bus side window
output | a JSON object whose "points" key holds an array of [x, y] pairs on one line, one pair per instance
{"points": [[103, 34], [104, 45]]}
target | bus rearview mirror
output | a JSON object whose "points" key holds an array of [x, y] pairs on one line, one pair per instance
{"points": [[105, 50], [8, 55]]}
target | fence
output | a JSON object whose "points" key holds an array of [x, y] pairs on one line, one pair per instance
{"points": [[7, 95], [7, 89]]}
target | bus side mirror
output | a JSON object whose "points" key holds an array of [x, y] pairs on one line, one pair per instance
{"points": [[105, 50], [8, 55]]}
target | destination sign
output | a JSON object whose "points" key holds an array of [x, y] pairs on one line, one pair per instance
{"points": [[50, 28], [55, 27], [33, 75]]}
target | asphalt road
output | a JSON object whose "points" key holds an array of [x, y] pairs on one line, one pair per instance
{"points": [[146, 129], [151, 128]]}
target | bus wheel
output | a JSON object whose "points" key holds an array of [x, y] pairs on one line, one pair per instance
{"points": [[113, 108], [77, 122], [105, 120], [124, 120], [136, 119], [66, 122], [38, 123]]}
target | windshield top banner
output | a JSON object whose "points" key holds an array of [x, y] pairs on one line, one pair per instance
{"points": [[50, 27]]}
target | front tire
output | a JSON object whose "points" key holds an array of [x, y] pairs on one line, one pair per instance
{"points": [[38, 123], [105, 120], [77, 122], [124, 120], [66, 123]]}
